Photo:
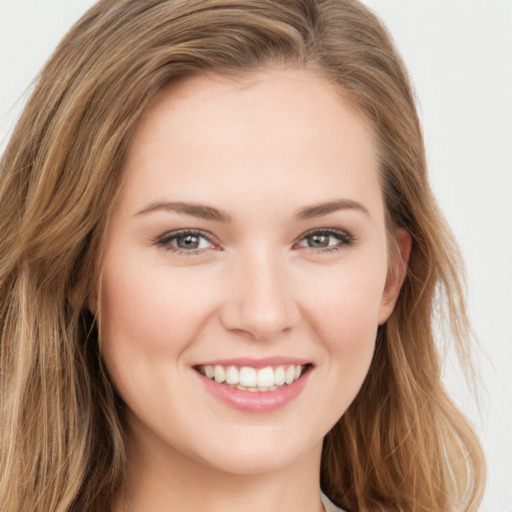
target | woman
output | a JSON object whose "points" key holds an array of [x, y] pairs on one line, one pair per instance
{"points": [[220, 265]]}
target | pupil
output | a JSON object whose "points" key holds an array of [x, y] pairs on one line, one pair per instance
{"points": [[188, 242], [318, 240]]}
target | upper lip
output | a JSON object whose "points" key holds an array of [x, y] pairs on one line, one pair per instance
{"points": [[256, 362]]}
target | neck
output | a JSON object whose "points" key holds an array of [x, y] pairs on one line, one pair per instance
{"points": [[159, 479]]}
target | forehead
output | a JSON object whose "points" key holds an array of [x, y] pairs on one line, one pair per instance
{"points": [[265, 134]]}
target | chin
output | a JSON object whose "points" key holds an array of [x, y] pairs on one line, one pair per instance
{"points": [[260, 454]]}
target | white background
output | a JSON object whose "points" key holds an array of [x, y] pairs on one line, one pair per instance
{"points": [[459, 53]]}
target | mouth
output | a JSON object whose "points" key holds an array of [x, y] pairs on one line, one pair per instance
{"points": [[257, 380]]}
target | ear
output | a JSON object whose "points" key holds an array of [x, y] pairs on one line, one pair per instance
{"points": [[396, 274]]}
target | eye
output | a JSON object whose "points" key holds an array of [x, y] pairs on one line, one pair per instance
{"points": [[326, 240], [185, 241]]}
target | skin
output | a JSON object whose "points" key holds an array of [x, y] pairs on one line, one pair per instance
{"points": [[261, 149]]}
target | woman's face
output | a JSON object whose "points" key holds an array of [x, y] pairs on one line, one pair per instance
{"points": [[248, 243]]}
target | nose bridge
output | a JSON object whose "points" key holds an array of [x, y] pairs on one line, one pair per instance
{"points": [[261, 301]]}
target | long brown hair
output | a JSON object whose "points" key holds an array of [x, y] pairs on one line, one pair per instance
{"points": [[402, 445]]}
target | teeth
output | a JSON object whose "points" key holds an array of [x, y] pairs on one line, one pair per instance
{"points": [[289, 375], [279, 376], [252, 379], [248, 377], [219, 374], [266, 377], [232, 375]]}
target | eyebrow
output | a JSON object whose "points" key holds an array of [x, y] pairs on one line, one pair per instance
{"points": [[319, 210], [211, 213], [193, 209]]}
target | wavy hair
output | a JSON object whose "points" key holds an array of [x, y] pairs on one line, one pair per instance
{"points": [[402, 445]]}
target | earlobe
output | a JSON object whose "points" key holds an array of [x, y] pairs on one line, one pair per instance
{"points": [[396, 274]]}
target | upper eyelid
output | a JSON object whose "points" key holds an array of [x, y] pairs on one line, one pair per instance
{"points": [[324, 230], [330, 231], [177, 232]]}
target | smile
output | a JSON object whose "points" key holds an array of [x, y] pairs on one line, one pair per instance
{"points": [[255, 386], [247, 378]]}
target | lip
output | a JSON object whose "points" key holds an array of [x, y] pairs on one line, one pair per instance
{"points": [[256, 362], [255, 402]]}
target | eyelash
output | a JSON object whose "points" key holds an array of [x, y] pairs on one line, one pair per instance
{"points": [[164, 241], [344, 238]]}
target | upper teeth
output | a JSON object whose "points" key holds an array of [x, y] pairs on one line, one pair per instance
{"points": [[253, 379]]}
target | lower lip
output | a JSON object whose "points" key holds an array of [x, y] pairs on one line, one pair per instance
{"points": [[255, 401]]}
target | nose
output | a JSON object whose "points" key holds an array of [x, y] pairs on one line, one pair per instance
{"points": [[260, 300]]}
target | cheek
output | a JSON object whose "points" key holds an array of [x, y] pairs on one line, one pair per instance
{"points": [[148, 318], [349, 301], [344, 316], [148, 306], [348, 335]]}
